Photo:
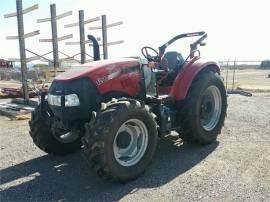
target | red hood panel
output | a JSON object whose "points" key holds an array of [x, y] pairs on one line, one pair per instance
{"points": [[93, 69]]}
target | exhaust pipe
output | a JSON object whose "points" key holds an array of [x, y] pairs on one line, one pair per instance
{"points": [[95, 47]]}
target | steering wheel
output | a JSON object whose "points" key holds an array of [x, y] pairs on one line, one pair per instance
{"points": [[149, 57]]}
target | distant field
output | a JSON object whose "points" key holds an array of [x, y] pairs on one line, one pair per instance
{"points": [[248, 79]]}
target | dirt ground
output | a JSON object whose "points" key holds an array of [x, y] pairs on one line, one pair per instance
{"points": [[234, 168]]}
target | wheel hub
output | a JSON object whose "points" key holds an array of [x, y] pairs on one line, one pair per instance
{"points": [[62, 134], [123, 140], [211, 106], [130, 142], [208, 107]]}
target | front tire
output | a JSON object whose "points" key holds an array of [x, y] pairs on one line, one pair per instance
{"points": [[43, 138], [122, 140], [204, 110]]}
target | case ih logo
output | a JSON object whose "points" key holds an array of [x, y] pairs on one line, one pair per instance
{"points": [[108, 77], [102, 80], [113, 74]]}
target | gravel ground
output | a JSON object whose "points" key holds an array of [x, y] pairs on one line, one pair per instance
{"points": [[235, 168]]}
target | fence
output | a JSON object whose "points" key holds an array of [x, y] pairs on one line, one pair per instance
{"points": [[244, 75]]}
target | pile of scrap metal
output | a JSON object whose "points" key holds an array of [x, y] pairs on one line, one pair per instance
{"points": [[15, 111], [240, 92], [13, 92], [10, 92]]}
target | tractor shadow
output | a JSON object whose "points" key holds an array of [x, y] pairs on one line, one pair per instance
{"points": [[69, 178]]}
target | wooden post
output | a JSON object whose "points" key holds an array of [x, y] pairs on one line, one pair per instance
{"points": [[104, 36], [82, 36], [22, 49], [54, 38]]}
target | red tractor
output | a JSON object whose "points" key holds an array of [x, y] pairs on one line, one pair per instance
{"points": [[6, 64], [117, 109]]}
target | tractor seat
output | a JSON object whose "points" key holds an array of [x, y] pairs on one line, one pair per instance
{"points": [[175, 60]]}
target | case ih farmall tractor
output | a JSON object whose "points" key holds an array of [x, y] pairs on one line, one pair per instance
{"points": [[117, 109]]}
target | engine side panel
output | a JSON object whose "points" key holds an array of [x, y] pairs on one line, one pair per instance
{"points": [[121, 75], [123, 79], [185, 78]]}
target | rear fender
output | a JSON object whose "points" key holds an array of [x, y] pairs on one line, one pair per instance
{"points": [[185, 78]]}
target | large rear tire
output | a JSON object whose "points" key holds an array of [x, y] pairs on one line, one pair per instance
{"points": [[41, 133], [122, 140], [204, 110]]}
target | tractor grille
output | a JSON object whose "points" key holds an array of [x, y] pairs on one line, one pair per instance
{"points": [[87, 93]]}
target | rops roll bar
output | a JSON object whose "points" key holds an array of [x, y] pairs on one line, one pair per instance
{"points": [[193, 46]]}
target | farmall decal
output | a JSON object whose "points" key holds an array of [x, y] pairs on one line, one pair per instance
{"points": [[112, 73], [108, 77], [115, 73], [101, 80]]}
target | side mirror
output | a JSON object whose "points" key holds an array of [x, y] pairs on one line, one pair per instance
{"points": [[202, 44]]}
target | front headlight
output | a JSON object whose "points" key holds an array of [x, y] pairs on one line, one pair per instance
{"points": [[72, 100], [54, 100]]}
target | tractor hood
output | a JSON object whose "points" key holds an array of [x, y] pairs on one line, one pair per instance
{"points": [[90, 81], [97, 69]]}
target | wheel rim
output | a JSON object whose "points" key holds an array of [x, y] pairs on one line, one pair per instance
{"points": [[210, 108], [62, 134], [130, 142]]}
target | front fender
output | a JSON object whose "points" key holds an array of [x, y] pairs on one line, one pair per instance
{"points": [[185, 78]]}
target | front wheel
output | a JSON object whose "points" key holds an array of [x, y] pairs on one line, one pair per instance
{"points": [[42, 135], [122, 140], [204, 110]]}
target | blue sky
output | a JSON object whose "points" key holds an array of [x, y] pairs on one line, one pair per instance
{"points": [[236, 28]]}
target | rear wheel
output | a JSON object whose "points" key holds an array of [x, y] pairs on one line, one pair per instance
{"points": [[204, 110], [122, 140], [42, 135]]}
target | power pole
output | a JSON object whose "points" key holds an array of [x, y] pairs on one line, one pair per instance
{"points": [[104, 26], [82, 36], [22, 49], [21, 37], [54, 37], [104, 36], [82, 41]]}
